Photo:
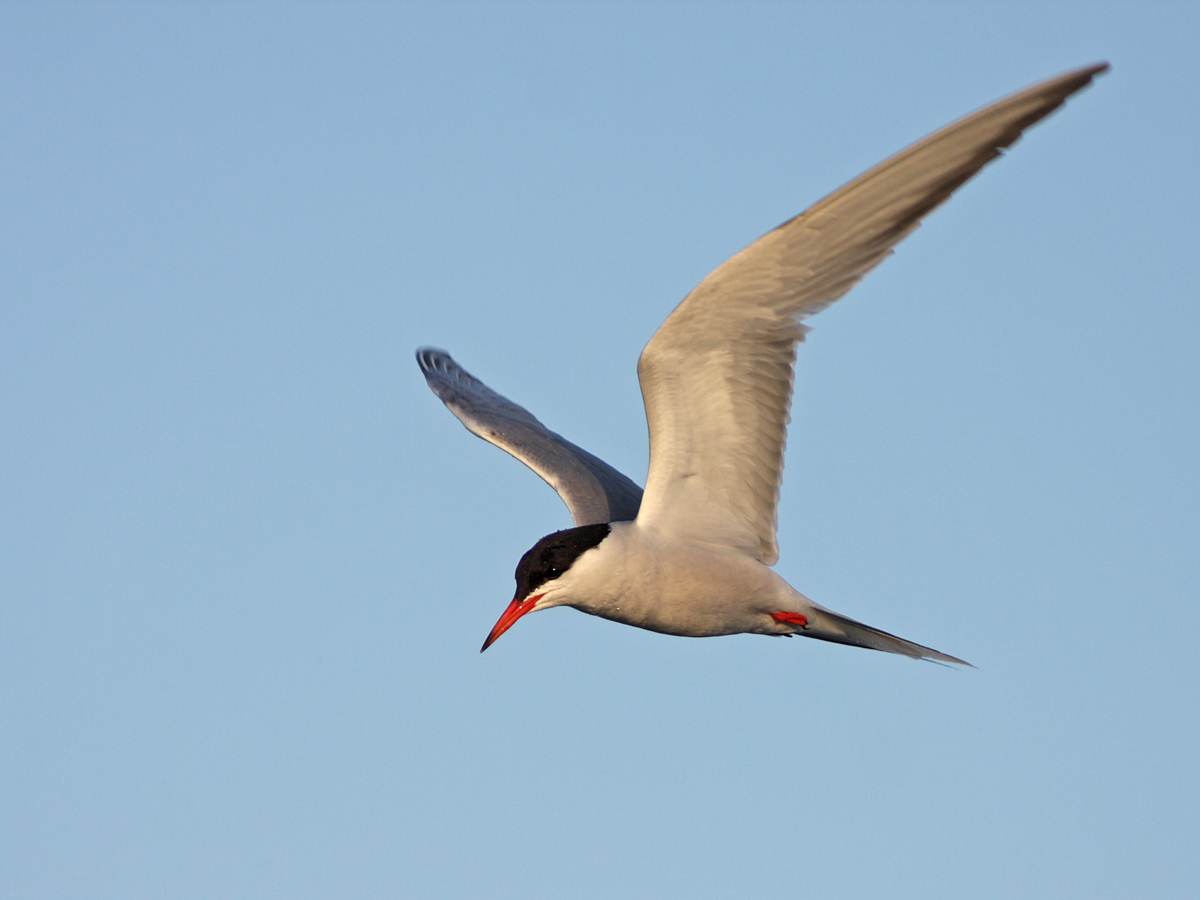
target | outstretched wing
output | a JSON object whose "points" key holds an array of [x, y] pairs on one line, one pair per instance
{"points": [[593, 490], [717, 376]]}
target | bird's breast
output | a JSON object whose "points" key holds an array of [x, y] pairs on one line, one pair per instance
{"points": [[674, 587]]}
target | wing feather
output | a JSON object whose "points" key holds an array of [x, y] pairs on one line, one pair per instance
{"points": [[717, 376], [593, 490]]}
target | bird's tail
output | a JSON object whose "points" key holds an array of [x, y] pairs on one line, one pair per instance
{"points": [[825, 625]]}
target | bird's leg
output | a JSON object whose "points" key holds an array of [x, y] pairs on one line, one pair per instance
{"points": [[790, 618]]}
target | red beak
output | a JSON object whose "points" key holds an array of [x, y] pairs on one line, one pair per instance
{"points": [[515, 610]]}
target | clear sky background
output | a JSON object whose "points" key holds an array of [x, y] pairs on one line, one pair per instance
{"points": [[247, 559]]}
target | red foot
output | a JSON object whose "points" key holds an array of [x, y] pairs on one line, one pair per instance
{"points": [[790, 618]]}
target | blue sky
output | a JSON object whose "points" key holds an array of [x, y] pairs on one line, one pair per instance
{"points": [[247, 559]]}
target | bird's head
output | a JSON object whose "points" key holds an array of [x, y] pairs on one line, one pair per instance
{"points": [[544, 574]]}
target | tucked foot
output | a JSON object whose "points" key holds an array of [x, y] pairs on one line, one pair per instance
{"points": [[790, 618]]}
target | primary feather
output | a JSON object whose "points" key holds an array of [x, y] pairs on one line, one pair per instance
{"points": [[717, 376], [593, 490]]}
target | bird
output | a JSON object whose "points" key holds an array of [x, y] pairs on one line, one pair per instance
{"points": [[692, 555]]}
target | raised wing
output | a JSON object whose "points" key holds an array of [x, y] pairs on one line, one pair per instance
{"points": [[717, 376], [593, 490]]}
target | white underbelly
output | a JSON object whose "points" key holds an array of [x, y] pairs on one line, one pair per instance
{"points": [[681, 588]]}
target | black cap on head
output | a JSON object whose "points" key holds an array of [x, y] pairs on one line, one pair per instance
{"points": [[554, 554]]}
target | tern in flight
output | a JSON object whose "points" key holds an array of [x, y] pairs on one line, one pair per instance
{"points": [[692, 555]]}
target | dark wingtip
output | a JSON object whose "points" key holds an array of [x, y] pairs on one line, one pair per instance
{"points": [[428, 358], [1085, 74], [945, 659], [1078, 79]]}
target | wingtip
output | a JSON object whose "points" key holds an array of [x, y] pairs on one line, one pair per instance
{"points": [[1087, 72], [945, 659], [426, 355], [432, 359], [1078, 79], [1095, 70]]}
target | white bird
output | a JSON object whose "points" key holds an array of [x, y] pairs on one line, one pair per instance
{"points": [[692, 556]]}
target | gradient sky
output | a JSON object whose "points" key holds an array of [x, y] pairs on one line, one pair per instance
{"points": [[247, 559]]}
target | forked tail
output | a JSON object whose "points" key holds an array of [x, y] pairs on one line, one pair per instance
{"points": [[829, 626]]}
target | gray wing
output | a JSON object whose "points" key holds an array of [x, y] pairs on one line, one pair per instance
{"points": [[717, 376], [593, 490]]}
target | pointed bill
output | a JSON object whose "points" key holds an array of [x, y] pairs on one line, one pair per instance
{"points": [[515, 610]]}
